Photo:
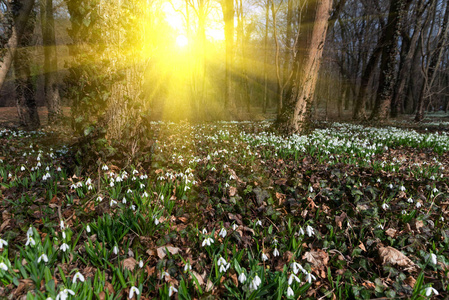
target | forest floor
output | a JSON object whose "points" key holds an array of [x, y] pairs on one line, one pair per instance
{"points": [[229, 210]]}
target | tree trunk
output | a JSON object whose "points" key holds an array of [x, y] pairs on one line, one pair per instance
{"points": [[389, 60], [296, 113], [25, 100], [20, 22], [52, 97], [434, 64], [228, 18], [265, 62]]}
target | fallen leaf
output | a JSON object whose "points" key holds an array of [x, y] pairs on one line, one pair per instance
{"points": [[361, 246], [339, 219], [418, 224], [281, 181], [391, 232], [232, 191], [410, 281], [129, 263], [108, 287], [198, 277], [393, 256], [162, 251], [318, 258]]}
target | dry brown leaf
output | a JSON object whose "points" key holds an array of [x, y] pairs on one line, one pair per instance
{"points": [[281, 181], [361, 246], [162, 251], [108, 287], [4, 224], [232, 191], [318, 258], [102, 296], [418, 224], [280, 197], [209, 286], [393, 256], [391, 232], [198, 277], [129, 263], [410, 281], [339, 219]]}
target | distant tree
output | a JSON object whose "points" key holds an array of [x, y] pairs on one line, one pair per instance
{"points": [[228, 18], [295, 116]]}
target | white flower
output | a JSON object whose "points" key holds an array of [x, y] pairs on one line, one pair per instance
{"points": [[301, 231], [311, 189], [435, 190], [254, 285], [140, 264], [187, 267], [276, 252], [234, 226], [105, 168], [124, 200], [111, 184], [3, 243], [88, 228], [78, 276], [222, 233], [410, 200], [418, 204], [115, 250], [129, 191], [242, 277], [309, 231], [207, 241], [390, 186], [402, 188], [64, 294], [310, 277], [42, 257], [61, 225], [3, 266], [433, 258], [264, 257], [133, 290], [145, 194], [30, 232], [112, 202], [204, 231], [164, 274], [22, 168], [133, 207], [385, 206], [64, 247], [63, 235], [99, 199], [293, 277], [30, 241], [259, 223], [290, 292], [142, 185], [171, 290], [430, 290], [403, 212]]}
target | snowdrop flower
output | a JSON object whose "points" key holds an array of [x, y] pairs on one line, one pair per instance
{"points": [[410, 200], [222, 233], [112, 202], [310, 189], [310, 277], [145, 194], [433, 258], [404, 212], [105, 168], [164, 274], [293, 277], [43, 257], [390, 186], [254, 285], [22, 168], [259, 223], [3, 243], [224, 266], [418, 204], [30, 241], [187, 267], [64, 294], [156, 220], [78, 276], [204, 231], [301, 231], [64, 247], [88, 228], [430, 290], [207, 242], [9, 175], [61, 225], [290, 292], [3, 266], [30, 231], [309, 231], [99, 199], [402, 188], [140, 264], [234, 226], [129, 191], [171, 290], [124, 200], [111, 184], [242, 277], [133, 207], [133, 290], [115, 250], [385, 206], [276, 252], [435, 190], [63, 235], [59, 169], [264, 257]]}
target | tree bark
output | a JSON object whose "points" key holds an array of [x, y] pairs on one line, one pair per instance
{"points": [[228, 18], [52, 97], [389, 60], [265, 62], [296, 113], [20, 22], [434, 64]]}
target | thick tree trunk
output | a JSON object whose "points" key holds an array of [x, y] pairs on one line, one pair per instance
{"points": [[389, 60], [52, 97], [434, 64], [265, 62], [20, 22], [296, 113]]}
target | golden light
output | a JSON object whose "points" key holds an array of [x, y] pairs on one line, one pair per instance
{"points": [[182, 41]]}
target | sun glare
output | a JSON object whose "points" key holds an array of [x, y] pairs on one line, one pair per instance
{"points": [[182, 41]]}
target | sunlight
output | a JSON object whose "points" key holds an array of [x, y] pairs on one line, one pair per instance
{"points": [[182, 40]]}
